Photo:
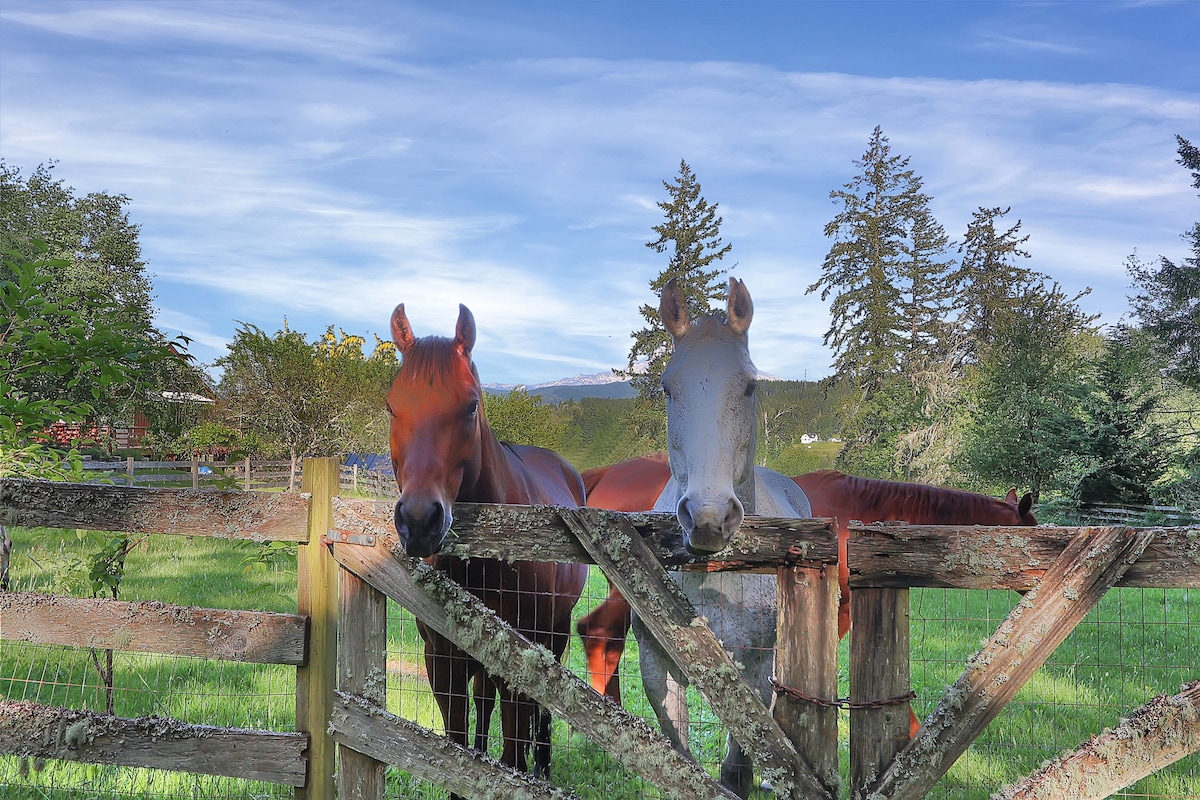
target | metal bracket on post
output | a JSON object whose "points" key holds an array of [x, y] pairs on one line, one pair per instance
{"points": [[345, 537]]}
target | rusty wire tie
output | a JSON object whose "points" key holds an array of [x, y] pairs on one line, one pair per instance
{"points": [[840, 702]]}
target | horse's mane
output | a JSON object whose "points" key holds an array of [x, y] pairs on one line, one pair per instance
{"points": [[921, 504]]}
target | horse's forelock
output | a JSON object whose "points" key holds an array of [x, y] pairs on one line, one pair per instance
{"points": [[435, 357]]}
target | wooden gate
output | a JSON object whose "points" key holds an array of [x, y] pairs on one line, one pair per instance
{"points": [[341, 693]]}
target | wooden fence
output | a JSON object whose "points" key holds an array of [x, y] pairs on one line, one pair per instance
{"points": [[246, 474], [339, 702]]}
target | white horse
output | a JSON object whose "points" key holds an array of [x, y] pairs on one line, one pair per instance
{"points": [[712, 430]]}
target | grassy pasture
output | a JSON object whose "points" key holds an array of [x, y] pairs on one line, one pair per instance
{"points": [[1137, 644]]}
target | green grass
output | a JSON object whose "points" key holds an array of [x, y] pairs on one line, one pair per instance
{"points": [[1136, 644]]}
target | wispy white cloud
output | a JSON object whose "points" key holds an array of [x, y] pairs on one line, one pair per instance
{"points": [[336, 168], [1008, 43], [257, 27]]}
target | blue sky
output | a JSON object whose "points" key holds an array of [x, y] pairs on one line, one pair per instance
{"points": [[325, 161]]}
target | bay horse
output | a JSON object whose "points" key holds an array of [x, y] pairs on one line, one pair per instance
{"points": [[443, 451], [633, 485], [712, 429]]}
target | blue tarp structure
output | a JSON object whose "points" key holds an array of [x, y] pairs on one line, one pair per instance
{"points": [[372, 462]]}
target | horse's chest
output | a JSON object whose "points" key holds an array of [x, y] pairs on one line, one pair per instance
{"points": [[740, 608]]}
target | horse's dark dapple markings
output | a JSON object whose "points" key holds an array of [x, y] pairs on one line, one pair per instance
{"points": [[443, 452]]}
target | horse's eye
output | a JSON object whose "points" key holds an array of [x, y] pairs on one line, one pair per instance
{"points": [[751, 387], [666, 392], [388, 406], [472, 408]]}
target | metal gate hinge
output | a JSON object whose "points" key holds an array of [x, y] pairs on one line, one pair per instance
{"points": [[345, 537]]}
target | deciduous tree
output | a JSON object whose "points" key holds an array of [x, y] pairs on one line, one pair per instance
{"points": [[59, 358]]}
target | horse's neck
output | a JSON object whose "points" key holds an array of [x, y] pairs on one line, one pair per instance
{"points": [[921, 504], [777, 495], [747, 492], [499, 472]]}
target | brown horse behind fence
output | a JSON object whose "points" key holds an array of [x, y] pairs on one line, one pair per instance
{"points": [[443, 451]]}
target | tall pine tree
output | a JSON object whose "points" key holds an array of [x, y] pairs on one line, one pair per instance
{"points": [[1168, 304], [989, 280], [884, 270], [691, 232]]}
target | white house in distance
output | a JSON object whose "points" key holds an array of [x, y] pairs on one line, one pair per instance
{"points": [[809, 438]]}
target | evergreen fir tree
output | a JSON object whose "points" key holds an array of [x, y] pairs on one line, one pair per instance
{"points": [[989, 280], [691, 232], [884, 270], [1169, 301]]}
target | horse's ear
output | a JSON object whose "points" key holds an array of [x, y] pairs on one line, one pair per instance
{"points": [[741, 307], [1026, 504], [1011, 497], [464, 334], [672, 309], [402, 335]]}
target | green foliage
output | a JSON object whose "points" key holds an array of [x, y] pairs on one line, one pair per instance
{"points": [[798, 458], [88, 263], [108, 563], [299, 398], [988, 281], [60, 359], [600, 430], [1122, 447], [691, 232], [1168, 303], [211, 438], [523, 418], [1026, 412], [884, 270]]}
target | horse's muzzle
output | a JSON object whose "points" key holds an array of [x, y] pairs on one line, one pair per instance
{"points": [[422, 526], [708, 525]]}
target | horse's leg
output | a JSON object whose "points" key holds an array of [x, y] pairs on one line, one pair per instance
{"points": [[485, 704], [603, 631], [541, 745], [665, 687], [737, 770], [448, 677], [517, 714]]}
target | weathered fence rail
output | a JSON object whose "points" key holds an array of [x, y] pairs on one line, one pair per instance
{"points": [[285, 757], [247, 474], [340, 693]]}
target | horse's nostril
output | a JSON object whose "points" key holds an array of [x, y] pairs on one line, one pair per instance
{"points": [[684, 514]]}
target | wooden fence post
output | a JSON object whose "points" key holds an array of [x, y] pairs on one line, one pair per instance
{"points": [[195, 470], [879, 671], [247, 483], [317, 599], [362, 671], [806, 660], [129, 471]]}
